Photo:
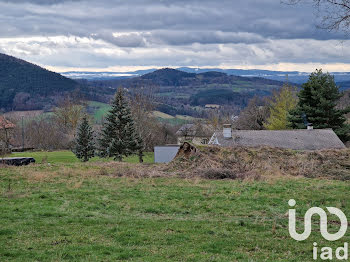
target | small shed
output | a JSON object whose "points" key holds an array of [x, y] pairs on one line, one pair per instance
{"points": [[165, 154], [212, 106]]}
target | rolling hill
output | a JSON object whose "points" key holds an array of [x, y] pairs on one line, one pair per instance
{"points": [[344, 85], [293, 76], [25, 86], [179, 92]]}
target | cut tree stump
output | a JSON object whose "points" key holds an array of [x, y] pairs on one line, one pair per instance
{"points": [[186, 150]]}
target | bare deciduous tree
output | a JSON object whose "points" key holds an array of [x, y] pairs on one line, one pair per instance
{"points": [[69, 112], [152, 132], [44, 133], [216, 118], [253, 116], [334, 14], [344, 103]]}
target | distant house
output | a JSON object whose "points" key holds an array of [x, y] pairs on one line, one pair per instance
{"points": [[199, 134], [301, 139], [212, 106]]}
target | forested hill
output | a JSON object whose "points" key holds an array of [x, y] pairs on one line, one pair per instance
{"points": [[172, 77], [25, 86], [177, 90]]}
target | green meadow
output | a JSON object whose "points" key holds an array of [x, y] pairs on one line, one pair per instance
{"points": [[72, 211], [65, 156]]}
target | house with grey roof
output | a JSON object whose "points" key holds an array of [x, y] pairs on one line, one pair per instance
{"points": [[300, 139], [198, 133]]}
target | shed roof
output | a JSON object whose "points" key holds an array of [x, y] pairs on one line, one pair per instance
{"points": [[300, 139]]}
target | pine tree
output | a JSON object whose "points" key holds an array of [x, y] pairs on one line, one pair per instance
{"points": [[119, 137], [318, 105], [84, 146], [134, 141], [282, 102]]}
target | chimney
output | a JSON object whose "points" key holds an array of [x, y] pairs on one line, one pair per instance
{"points": [[227, 131], [310, 126]]}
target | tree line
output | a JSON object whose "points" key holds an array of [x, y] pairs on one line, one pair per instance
{"points": [[60, 128], [317, 103], [130, 128], [119, 135]]}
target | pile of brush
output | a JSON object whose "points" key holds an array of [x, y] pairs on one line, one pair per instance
{"points": [[215, 162]]}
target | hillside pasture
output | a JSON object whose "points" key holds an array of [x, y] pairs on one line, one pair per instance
{"points": [[109, 212], [98, 110], [173, 120], [214, 204], [17, 115], [65, 157]]}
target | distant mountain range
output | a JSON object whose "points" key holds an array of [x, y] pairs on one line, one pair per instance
{"points": [[293, 76], [25, 86]]}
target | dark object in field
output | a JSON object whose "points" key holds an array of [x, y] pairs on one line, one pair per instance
{"points": [[186, 150], [17, 161], [20, 149]]}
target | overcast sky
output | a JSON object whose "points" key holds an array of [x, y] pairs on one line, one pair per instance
{"points": [[123, 35]]}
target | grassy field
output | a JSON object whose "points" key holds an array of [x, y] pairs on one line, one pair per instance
{"points": [[71, 211], [98, 109], [98, 112], [159, 114], [173, 120], [69, 157]]}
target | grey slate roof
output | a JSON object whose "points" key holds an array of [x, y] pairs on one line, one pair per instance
{"points": [[301, 139]]}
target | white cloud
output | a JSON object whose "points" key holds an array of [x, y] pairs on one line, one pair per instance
{"points": [[111, 34], [71, 52]]}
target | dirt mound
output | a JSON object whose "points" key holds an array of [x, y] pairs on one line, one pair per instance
{"points": [[242, 162]]}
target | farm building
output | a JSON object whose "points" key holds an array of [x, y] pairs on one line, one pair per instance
{"points": [[212, 106], [301, 139], [198, 134]]}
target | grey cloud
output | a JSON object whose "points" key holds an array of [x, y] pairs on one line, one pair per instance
{"points": [[166, 32], [175, 38], [128, 40], [271, 52], [39, 2], [203, 37], [267, 18]]}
